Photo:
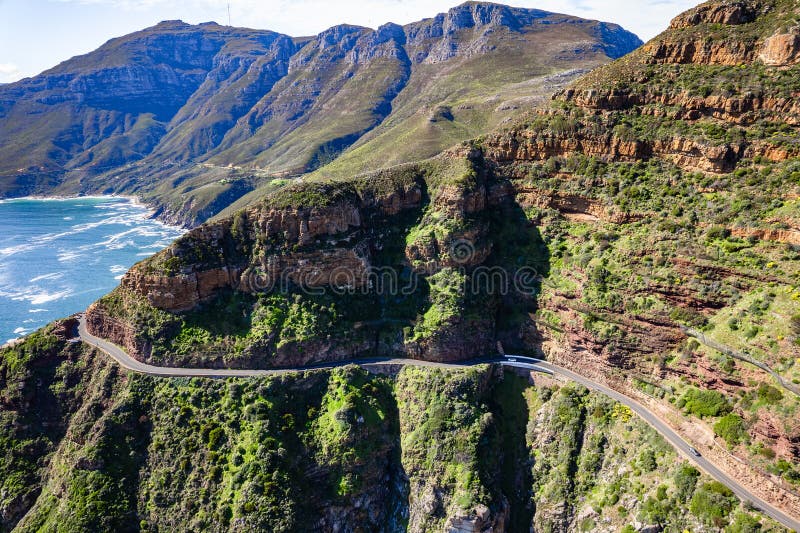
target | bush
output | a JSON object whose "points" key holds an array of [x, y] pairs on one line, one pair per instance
{"points": [[731, 427], [717, 232], [685, 481], [712, 503], [769, 394], [744, 523], [704, 403], [647, 460]]}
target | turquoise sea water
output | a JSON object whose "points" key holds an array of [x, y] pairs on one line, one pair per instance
{"points": [[59, 255]]}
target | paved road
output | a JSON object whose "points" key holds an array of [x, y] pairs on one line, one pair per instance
{"points": [[672, 437], [128, 362], [527, 363]]}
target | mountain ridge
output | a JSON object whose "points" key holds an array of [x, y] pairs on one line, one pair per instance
{"points": [[641, 226], [214, 111]]}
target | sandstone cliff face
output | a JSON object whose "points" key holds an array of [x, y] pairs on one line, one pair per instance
{"points": [[688, 154], [100, 323], [181, 292], [740, 12], [781, 49], [341, 244], [270, 248]]}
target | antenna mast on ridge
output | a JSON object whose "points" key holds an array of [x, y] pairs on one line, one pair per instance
{"points": [[229, 13]]}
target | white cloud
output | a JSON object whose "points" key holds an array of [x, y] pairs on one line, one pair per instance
{"points": [[9, 72]]}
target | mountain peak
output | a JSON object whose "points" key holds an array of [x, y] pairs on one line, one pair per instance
{"points": [[206, 94], [169, 24]]}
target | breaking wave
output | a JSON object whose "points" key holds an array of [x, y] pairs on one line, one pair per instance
{"points": [[62, 254]]}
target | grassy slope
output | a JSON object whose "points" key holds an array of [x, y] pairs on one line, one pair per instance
{"points": [[514, 75]]}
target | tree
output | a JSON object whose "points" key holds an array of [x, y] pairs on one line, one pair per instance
{"points": [[712, 503], [685, 481]]}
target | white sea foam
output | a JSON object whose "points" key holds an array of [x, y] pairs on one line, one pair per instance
{"points": [[94, 246], [44, 277], [69, 256], [39, 298], [11, 250]]}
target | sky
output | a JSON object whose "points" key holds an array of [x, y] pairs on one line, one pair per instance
{"points": [[38, 34]]}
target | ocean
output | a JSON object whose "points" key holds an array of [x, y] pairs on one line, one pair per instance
{"points": [[59, 255]]}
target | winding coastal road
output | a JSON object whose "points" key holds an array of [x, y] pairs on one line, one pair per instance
{"points": [[527, 363]]}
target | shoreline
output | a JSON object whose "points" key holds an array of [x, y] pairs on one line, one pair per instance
{"points": [[135, 214], [134, 200]]}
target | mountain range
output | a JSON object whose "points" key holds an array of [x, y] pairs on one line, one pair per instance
{"points": [[190, 118], [641, 229]]}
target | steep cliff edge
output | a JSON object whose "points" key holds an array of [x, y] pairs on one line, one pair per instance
{"points": [[311, 269], [694, 137]]}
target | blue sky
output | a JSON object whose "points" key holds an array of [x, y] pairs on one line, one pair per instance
{"points": [[38, 34]]}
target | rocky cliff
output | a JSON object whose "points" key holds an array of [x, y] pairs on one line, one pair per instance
{"points": [[191, 118]]}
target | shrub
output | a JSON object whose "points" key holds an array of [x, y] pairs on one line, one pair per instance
{"points": [[712, 503], [731, 427], [769, 394], [717, 232], [744, 523], [685, 481], [704, 403], [647, 460]]}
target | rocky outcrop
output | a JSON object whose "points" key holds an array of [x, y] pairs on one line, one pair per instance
{"points": [[781, 49], [268, 247], [700, 52], [716, 12], [787, 235], [571, 204], [688, 154], [101, 324], [481, 520], [739, 109], [183, 291]]}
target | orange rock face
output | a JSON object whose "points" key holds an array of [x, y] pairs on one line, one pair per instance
{"points": [[180, 292], [306, 246], [781, 50]]}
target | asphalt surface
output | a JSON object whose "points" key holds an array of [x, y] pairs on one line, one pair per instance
{"points": [[128, 362], [527, 363], [673, 438]]}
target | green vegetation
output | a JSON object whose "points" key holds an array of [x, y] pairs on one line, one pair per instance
{"points": [[279, 453], [712, 502], [732, 428], [704, 403]]}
